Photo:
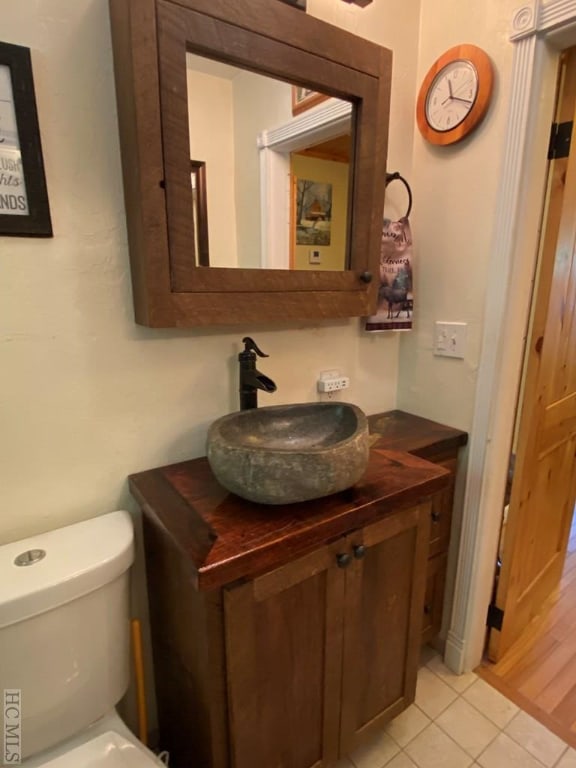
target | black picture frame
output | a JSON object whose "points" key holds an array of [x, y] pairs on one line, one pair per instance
{"points": [[37, 222]]}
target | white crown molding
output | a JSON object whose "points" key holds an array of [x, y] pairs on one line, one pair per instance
{"points": [[531, 24], [559, 13], [329, 118]]}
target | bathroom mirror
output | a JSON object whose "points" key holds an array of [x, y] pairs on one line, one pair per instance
{"points": [[231, 112], [163, 49]]}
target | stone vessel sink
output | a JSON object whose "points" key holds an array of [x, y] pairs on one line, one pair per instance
{"points": [[289, 453]]}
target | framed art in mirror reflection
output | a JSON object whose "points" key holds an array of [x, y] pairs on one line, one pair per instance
{"points": [[304, 98]]}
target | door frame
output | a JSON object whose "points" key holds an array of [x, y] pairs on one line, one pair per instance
{"points": [[539, 34], [275, 146]]}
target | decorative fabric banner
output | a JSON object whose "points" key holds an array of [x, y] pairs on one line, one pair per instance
{"points": [[395, 300]]}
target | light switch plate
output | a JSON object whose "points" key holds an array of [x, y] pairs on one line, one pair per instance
{"points": [[450, 339]]}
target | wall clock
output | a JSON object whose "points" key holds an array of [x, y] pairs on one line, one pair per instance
{"points": [[454, 95]]}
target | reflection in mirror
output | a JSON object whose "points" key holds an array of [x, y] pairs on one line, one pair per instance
{"points": [[304, 98], [320, 202], [200, 211], [293, 218]]}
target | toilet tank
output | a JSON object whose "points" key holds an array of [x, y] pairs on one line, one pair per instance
{"points": [[64, 626]]}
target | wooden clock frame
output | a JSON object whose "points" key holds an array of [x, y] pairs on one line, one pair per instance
{"points": [[483, 66]]}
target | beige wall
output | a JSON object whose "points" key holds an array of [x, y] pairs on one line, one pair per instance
{"points": [[86, 396], [453, 217], [259, 103], [228, 108], [394, 24]]}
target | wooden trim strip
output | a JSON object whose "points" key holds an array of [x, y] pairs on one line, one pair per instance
{"points": [[485, 673]]}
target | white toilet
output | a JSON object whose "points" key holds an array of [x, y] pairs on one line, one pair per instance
{"points": [[64, 645]]}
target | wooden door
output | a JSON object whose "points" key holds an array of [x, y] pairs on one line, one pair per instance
{"points": [[383, 617], [284, 656], [544, 486]]}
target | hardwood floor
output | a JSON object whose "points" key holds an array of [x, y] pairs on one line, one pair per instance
{"points": [[539, 672]]}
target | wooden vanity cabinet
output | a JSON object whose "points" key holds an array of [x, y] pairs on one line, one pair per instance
{"points": [[284, 636], [319, 655], [383, 608], [284, 639], [434, 596], [398, 430], [441, 514]]}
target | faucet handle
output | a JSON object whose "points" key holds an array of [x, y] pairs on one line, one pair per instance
{"points": [[251, 346]]}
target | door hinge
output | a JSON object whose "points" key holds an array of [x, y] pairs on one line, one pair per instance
{"points": [[560, 138], [495, 617]]}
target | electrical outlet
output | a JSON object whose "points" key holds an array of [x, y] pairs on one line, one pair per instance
{"points": [[333, 383]]}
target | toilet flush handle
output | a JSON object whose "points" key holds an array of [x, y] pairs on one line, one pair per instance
{"points": [[30, 557]]}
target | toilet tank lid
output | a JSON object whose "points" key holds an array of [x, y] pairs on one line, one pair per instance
{"points": [[78, 559]]}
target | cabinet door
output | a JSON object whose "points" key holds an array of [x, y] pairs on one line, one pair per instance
{"points": [[383, 617], [284, 654]]}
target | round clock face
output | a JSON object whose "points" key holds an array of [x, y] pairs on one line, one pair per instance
{"points": [[451, 95]]}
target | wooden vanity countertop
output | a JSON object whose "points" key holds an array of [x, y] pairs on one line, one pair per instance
{"points": [[226, 538], [402, 431]]}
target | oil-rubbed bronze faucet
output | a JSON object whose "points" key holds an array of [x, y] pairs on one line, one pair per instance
{"points": [[252, 380]]}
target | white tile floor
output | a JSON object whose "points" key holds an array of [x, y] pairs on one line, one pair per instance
{"points": [[457, 722]]}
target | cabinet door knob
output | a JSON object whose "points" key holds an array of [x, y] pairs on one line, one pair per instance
{"points": [[359, 551], [343, 560], [435, 517], [427, 609]]}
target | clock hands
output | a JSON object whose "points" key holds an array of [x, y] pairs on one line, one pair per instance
{"points": [[461, 88], [452, 97]]}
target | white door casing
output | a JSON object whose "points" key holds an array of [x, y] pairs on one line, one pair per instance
{"points": [[539, 31], [327, 121]]}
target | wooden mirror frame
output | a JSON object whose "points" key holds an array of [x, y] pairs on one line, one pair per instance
{"points": [[150, 41]]}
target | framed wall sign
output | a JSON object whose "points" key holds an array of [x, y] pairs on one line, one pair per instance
{"points": [[24, 208]]}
